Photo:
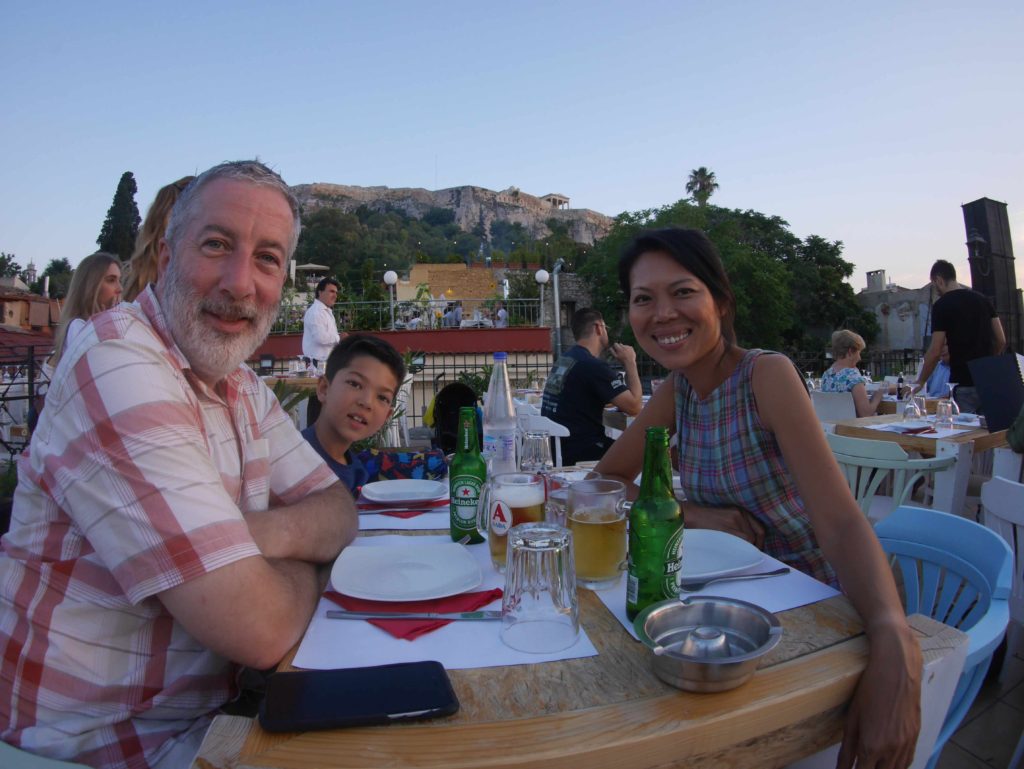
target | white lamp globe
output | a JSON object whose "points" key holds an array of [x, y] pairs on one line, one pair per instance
{"points": [[542, 276]]}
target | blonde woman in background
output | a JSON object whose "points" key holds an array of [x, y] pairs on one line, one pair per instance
{"points": [[844, 376], [95, 286], [141, 268]]}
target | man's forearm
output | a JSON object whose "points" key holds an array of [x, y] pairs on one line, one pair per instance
{"points": [[314, 529]]}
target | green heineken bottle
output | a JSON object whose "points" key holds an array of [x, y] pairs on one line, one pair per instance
{"points": [[466, 477], [655, 530]]}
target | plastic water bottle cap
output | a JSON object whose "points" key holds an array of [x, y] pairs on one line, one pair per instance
{"points": [[501, 356]]}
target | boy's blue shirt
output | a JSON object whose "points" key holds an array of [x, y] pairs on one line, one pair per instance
{"points": [[354, 475]]}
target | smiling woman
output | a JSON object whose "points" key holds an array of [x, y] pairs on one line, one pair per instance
{"points": [[753, 462]]}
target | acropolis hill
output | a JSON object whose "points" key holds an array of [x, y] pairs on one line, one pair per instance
{"points": [[472, 206]]}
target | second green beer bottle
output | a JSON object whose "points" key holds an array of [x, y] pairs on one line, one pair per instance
{"points": [[655, 530], [466, 477]]}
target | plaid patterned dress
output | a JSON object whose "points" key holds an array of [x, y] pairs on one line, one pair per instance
{"points": [[728, 458]]}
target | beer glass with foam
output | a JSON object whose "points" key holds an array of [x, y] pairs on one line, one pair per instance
{"points": [[508, 500]]}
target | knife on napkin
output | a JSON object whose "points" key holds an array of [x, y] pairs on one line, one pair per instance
{"points": [[476, 615]]}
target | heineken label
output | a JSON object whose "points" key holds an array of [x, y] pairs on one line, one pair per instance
{"points": [[673, 558], [465, 491]]}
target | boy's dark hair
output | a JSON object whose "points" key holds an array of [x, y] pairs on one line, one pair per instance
{"points": [[943, 269], [355, 345]]}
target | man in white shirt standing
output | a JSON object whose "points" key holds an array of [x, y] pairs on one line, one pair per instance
{"points": [[319, 331]]}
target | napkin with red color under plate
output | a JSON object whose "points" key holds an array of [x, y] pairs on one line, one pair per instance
{"points": [[411, 629]]}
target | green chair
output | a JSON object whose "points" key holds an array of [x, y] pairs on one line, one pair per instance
{"points": [[868, 464]]}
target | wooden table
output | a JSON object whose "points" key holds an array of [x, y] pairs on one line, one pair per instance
{"points": [[298, 382], [893, 407], [950, 484], [608, 711]]}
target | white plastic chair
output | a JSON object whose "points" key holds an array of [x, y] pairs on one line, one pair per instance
{"points": [[527, 422], [398, 430], [1002, 506], [957, 572], [867, 464], [833, 407]]}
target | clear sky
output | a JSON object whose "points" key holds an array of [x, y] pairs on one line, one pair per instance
{"points": [[866, 122]]}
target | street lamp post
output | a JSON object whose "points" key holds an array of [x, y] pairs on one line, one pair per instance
{"points": [[559, 265], [542, 277], [391, 278]]}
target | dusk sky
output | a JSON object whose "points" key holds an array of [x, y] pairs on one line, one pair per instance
{"points": [[868, 123]]}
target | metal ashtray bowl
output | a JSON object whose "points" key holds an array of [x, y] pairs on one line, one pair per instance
{"points": [[706, 643]]}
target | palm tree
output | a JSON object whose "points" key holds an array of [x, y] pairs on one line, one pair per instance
{"points": [[701, 185]]}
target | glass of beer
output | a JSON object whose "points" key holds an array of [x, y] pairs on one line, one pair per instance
{"points": [[597, 520], [508, 499], [557, 508]]}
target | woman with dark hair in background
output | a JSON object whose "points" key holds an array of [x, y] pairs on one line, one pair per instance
{"points": [[753, 461], [141, 268]]}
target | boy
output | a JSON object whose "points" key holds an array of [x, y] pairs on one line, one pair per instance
{"points": [[356, 393]]}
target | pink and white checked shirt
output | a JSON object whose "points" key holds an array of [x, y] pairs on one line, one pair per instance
{"points": [[137, 479]]}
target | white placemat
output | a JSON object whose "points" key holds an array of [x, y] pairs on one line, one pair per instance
{"points": [[332, 643], [773, 593], [435, 519]]}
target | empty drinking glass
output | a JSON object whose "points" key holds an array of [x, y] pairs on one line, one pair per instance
{"points": [[536, 457], [944, 414], [911, 410], [539, 610], [557, 506], [952, 389]]}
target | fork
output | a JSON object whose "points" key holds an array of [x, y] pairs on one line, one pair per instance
{"points": [[693, 587]]}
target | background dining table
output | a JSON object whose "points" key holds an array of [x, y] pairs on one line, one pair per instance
{"points": [[950, 484], [608, 711]]}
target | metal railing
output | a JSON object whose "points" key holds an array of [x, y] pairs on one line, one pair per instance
{"points": [[376, 316], [22, 385]]}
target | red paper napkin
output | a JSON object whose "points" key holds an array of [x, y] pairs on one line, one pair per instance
{"points": [[411, 629], [401, 509]]}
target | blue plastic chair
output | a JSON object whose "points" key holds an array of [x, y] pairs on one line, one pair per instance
{"points": [[957, 572]]}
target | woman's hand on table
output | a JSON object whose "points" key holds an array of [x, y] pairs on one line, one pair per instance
{"points": [[731, 520], [884, 718]]}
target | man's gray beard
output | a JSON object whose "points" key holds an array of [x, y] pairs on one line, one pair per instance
{"points": [[211, 353]]}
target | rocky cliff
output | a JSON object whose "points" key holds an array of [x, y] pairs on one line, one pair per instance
{"points": [[472, 206]]}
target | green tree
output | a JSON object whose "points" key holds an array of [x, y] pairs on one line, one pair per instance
{"points": [[9, 268], [701, 185], [59, 272], [117, 236]]}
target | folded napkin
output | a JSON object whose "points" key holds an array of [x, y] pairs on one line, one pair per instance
{"points": [[411, 629], [400, 509]]}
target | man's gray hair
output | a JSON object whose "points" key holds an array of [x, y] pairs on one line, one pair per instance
{"points": [[251, 171]]}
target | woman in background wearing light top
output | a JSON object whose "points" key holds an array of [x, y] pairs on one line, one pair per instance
{"points": [[95, 286], [752, 455], [843, 375]]}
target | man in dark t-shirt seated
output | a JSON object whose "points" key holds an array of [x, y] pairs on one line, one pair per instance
{"points": [[964, 320], [580, 384]]}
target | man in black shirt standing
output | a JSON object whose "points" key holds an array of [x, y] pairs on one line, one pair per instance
{"points": [[965, 320], [580, 384]]}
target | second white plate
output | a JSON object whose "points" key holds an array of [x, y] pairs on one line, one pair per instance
{"points": [[414, 572], [406, 490], [708, 553]]}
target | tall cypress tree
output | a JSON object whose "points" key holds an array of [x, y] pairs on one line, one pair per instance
{"points": [[117, 235]]}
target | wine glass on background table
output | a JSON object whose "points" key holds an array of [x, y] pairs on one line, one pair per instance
{"points": [[952, 388], [810, 380]]}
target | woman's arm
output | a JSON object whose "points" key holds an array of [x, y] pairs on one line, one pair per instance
{"points": [[884, 718], [866, 406], [624, 460]]}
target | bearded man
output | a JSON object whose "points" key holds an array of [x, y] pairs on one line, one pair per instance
{"points": [[169, 519]]}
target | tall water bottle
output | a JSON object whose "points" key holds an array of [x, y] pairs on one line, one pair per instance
{"points": [[500, 421]]}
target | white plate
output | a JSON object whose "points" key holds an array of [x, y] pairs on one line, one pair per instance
{"points": [[406, 573], [708, 553], [406, 490]]}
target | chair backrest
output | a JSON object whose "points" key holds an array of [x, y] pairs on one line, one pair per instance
{"points": [[398, 430], [446, 413], [957, 572], [527, 422], [867, 464], [1002, 505], [833, 407]]}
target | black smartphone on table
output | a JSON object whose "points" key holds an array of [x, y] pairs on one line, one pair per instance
{"points": [[307, 700]]}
